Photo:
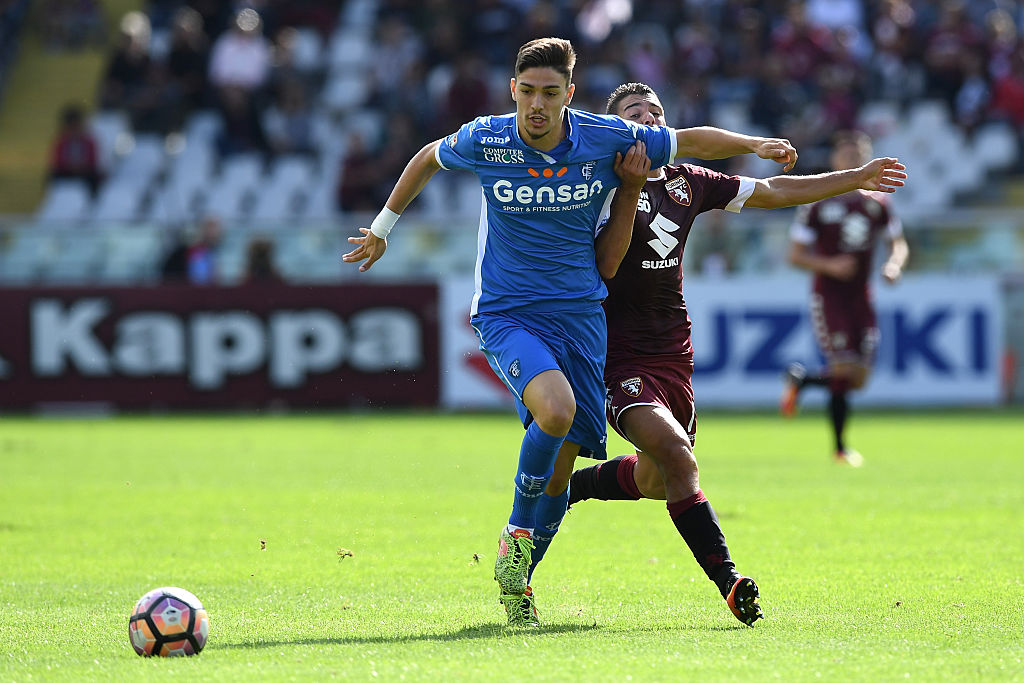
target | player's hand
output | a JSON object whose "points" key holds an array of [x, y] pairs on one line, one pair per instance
{"points": [[883, 175], [633, 168], [842, 267], [778, 150], [891, 272], [370, 248]]}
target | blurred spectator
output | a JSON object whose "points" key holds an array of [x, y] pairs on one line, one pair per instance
{"points": [[360, 177], [70, 24], [241, 56], [1008, 93], [175, 264], [803, 46], [128, 70], [288, 124], [242, 131], [284, 72], [202, 254], [468, 93], [260, 267], [187, 60], [74, 153], [972, 100], [950, 44]]}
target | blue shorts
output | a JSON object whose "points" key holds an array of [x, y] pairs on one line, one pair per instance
{"points": [[521, 345]]}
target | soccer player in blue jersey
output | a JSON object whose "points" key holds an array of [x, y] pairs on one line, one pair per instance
{"points": [[547, 172]]}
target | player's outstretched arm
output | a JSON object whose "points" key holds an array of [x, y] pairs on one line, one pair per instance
{"points": [[613, 240], [373, 242], [883, 175], [892, 269], [706, 142]]}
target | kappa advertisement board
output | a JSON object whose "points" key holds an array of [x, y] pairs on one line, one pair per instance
{"points": [[941, 342], [186, 347]]}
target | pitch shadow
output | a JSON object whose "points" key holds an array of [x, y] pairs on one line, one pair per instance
{"points": [[467, 633]]}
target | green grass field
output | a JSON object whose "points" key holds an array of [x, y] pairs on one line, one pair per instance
{"points": [[909, 567]]}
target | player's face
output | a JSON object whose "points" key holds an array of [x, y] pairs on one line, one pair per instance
{"points": [[644, 109], [541, 95], [850, 155]]}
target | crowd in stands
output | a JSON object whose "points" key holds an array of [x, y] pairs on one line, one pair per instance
{"points": [[414, 70], [801, 68], [12, 16]]}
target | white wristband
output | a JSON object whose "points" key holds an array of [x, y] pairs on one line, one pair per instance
{"points": [[383, 223]]}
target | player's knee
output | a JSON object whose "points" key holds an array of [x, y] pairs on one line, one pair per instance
{"points": [[555, 417], [677, 461]]}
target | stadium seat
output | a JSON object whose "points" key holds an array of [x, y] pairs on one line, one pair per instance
{"points": [[76, 258], [349, 50], [131, 253], [236, 186], [279, 196], [65, 201], [108, 127], [203, 126], [308, 50], [345, 91], [996, 145], [120, 199], [879, 118]]}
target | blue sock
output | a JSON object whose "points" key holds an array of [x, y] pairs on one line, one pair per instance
{"points": [[536, 461], [550, 511]]}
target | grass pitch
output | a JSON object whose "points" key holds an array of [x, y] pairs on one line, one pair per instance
{"points": [[907, 568]]}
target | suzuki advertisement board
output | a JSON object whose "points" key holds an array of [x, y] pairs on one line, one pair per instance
{"points": [[941, 342]]}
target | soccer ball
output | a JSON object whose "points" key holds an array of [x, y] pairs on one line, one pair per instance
{"points": [[169, 622]]}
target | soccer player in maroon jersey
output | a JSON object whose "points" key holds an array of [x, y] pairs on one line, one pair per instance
{"points": [[835, 239], [650, 359]]}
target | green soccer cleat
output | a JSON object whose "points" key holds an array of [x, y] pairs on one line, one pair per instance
{"points": [[513, 563], [743, 601], [521, 609]]}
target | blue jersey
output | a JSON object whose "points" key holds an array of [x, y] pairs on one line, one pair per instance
{"points": [[537, 224]]}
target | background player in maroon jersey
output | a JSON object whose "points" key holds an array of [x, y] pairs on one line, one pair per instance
{"points": [[650, 359], [835, 239]]}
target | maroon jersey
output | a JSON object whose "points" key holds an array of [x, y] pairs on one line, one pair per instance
{"points": [[645, 307], [848, 224]]}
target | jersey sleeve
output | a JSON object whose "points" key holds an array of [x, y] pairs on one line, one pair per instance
{"points": [[456, 151], [660, 141], [801, 231], [718, 190]]}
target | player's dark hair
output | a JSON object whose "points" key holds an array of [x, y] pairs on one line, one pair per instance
{"points": [[624, 91], [554, 53]]}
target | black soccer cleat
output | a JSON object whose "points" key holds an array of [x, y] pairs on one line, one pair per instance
{"points": [[743, 601]]}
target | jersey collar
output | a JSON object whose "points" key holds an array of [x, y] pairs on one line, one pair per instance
{"points": [[572, 135]]}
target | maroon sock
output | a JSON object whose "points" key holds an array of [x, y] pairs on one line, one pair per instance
{"points": [[611, 480], [697, 523]]}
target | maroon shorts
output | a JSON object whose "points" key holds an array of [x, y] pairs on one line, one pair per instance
{"points": [[665, 382], [846, 330]]}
